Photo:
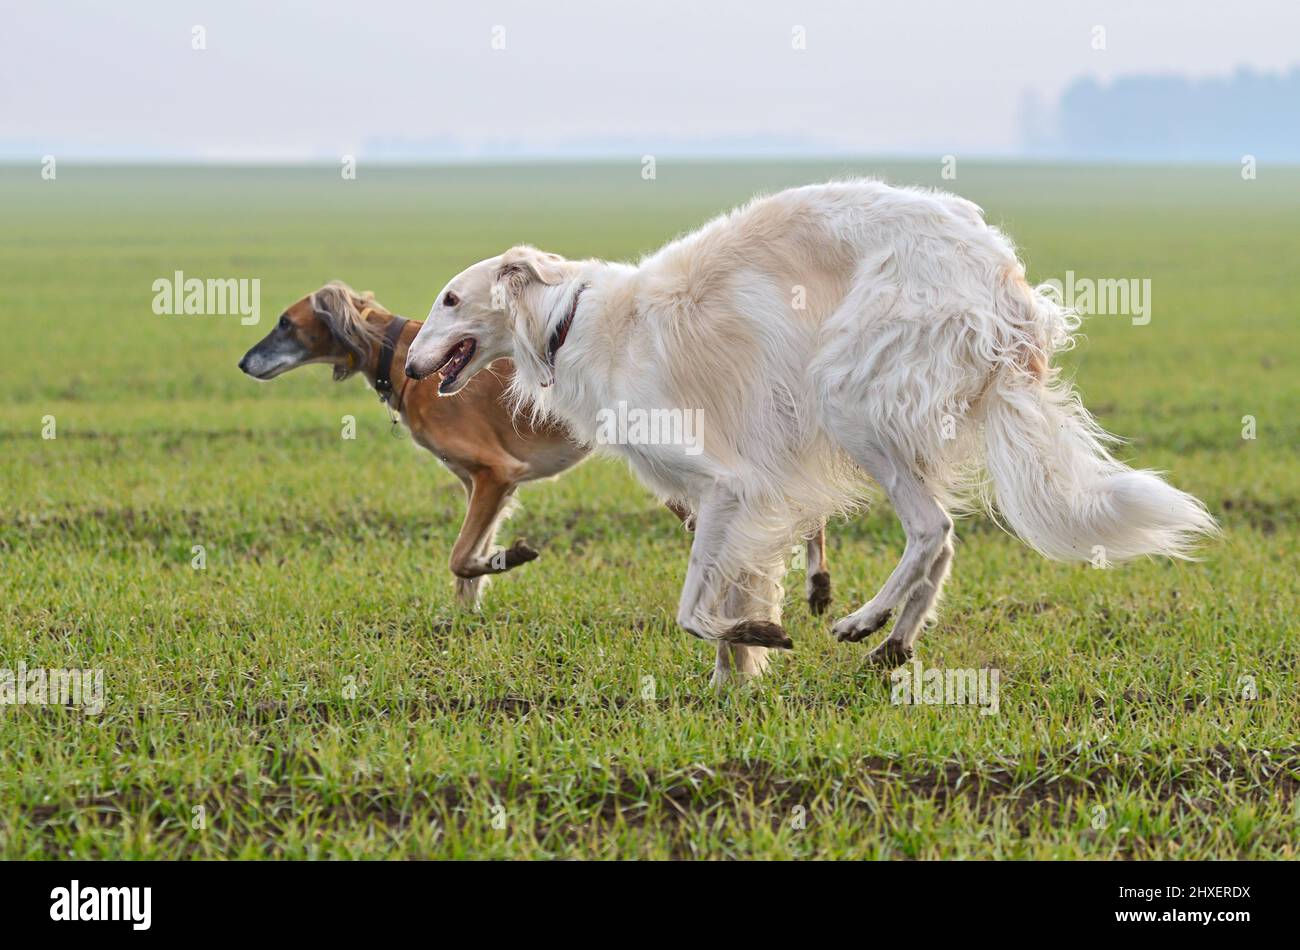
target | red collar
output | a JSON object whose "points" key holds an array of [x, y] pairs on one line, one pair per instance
{"points": [[562, 331]]}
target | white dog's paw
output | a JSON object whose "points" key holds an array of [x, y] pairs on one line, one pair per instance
{"points": [[861, 623], [890, 655]]}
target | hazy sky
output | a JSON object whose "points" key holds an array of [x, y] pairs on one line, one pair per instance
{"points": [[320, 79]]}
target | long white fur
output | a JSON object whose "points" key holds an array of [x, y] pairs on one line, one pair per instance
{"points": [[922, 357]]}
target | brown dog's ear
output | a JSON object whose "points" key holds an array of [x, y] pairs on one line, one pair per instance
{"points": [[519, 268], [336, 305]]}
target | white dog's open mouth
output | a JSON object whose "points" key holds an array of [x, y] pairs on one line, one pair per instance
{"points": [[455, 361]]}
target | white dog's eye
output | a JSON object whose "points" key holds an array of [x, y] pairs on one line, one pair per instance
{"points": [[450, 299]]}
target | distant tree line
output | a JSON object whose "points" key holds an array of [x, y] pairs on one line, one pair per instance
{"points": [[1171, 117]]}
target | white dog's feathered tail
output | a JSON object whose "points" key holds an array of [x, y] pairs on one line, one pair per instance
{"points": [[1055, 483]]}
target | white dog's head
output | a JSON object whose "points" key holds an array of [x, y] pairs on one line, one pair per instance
{"points": [[494, 310]]}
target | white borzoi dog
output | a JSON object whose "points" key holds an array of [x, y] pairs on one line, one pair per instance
{"points": [[822, 333]]}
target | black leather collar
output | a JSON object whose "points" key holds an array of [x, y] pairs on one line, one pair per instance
{"points": [[383, 372]]}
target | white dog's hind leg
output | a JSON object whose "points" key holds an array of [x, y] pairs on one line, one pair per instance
{"points": [[916, 611], [929, 531]]}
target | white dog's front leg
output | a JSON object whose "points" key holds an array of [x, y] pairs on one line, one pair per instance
{"points": [[738, 663], [715, 608], [702, 589], [755, 597]]}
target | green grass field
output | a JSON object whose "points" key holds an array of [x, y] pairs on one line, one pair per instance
{"points": [[312, 693]]}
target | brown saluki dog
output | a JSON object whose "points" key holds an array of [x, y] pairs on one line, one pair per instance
{"points": [[473, 433]]}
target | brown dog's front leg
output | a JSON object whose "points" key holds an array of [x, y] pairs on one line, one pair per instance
{"points": [[469, 558], [468, 589]]}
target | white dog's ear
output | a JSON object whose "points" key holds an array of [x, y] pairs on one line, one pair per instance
{"points": [[521, 275], [522, 267]]}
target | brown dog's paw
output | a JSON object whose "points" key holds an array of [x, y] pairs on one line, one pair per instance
{"points": [[759, 633], [819, 592], [519, 553], [890, 655]]}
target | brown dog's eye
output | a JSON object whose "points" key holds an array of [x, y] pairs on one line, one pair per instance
{"points": [[450, 299]]}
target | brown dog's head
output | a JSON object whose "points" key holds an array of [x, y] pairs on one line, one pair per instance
{"points": [[327, 327]]}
